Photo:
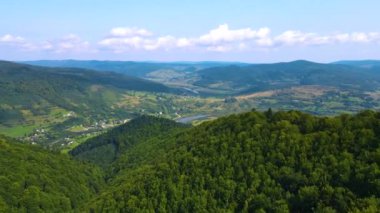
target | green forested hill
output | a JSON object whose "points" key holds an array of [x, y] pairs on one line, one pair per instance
{"points": [[106, 148], [235, 78], [250, 162], [26, 86], [261, 77], [35, 180], [131, 68], [256, 162], [35, 97]]}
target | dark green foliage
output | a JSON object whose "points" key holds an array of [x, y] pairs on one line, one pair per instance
{"points": [[35, 180], [106, 148], [251, 162], [256, 162]]}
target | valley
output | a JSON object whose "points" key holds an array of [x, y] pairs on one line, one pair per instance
{"points": [[90, 102], [189, 106], [245, 142]]}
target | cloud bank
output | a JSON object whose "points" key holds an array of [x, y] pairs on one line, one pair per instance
{"points": [[68, 43], [221, 39]]}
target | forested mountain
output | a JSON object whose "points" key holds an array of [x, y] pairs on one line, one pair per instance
{"points": [[254, 162], [72, 104], [77, 75], [131, 68], [229, 78], [38, 97], [106, 148], [26, 86], [273, 162], [250, 162], [36, 180], [263, 77]]}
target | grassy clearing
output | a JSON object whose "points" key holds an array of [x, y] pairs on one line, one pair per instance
{"points": [[77, 128], [17, 131]]}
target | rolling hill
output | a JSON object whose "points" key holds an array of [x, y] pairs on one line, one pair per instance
{"points": [[74, 102], [261, 77], [35, 180], [251, 162], [131, 68], [108, 147], [35, 97], [232, 78]]}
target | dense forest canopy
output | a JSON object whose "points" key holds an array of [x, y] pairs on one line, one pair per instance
{"points": [[36, 180], [251, 162], [272, 162], [106, 148]]}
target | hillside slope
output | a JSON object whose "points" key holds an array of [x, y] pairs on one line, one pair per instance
{"points": [[35, 180], [107, 148], [256, 162], [26, 85], [34, 96]]}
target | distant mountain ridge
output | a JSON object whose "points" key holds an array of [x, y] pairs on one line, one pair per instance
{"points": [[360, 63], [85, 75], [261, 77], [131, 68], [36, 95], [28, 91], [240, 78]]}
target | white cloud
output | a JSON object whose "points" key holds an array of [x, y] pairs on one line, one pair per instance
{"points": [[165, 42], [119, 42], [342, 38], [8, 38], [220, 39], [300, 38], [219, 48], [357, 37], [129, 32], [141, 43], [17, 42], [184, 42], [223, 39], [224, 34], [307, 39], [125, 39], [68, 43]]}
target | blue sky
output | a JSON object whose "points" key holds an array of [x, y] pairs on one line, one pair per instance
{"points": [[168, 30]]}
